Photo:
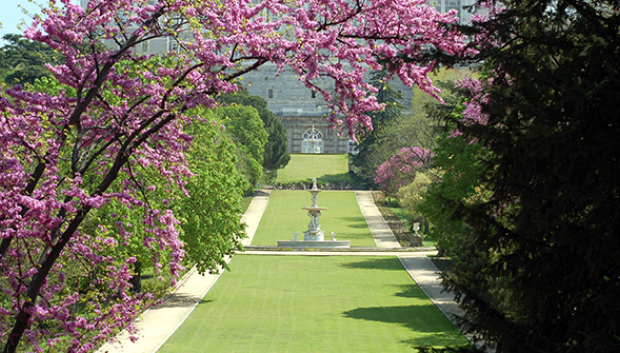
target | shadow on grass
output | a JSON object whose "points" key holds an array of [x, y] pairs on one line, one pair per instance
{"points": [[180, 301], [354, 222], [410, 291], [384, 264], [353, 219], [414, 317], [334, 178], [441, 339], [325, 182]]}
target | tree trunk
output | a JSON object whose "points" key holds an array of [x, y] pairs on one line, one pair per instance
{"points": [[136, 280]]}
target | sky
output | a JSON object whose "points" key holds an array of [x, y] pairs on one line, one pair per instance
{"points": [[11, 15]]}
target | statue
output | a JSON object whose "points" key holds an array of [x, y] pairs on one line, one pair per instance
{"points": [[315, 193]]}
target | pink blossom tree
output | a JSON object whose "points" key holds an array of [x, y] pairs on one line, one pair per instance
{"points": [[401, 168], [72, 147]]}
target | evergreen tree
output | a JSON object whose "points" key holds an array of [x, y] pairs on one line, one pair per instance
{"points": [[547, 116], [23, 60]]}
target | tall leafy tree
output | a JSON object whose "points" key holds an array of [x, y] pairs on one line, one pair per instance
{"points": [[207, 207], [209, 217], [73, 149], [247, 130], [276, 155], [374, 141], [395, 128], [457, 171], [546, 115], [457, 179]]}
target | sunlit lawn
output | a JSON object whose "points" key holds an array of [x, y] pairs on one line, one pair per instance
{"points": [[328, 167], [284, 216], [313, 304]]}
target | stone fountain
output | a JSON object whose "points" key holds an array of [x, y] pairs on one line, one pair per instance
{"points": [[314, 237]]}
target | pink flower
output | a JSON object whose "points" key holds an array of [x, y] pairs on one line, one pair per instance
{"points": [[400, 169], [81, 141]]}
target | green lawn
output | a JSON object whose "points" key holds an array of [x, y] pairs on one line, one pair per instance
{"points": [[313, 304], [284, 216], [327, 167]]}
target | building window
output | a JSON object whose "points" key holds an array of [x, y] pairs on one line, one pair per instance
{"points": [[270, 93], [352, 147], [173, 45], [145, 47], [312, 141], [313, 94]]}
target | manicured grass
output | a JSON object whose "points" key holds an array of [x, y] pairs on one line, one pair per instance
{"points": [[284, 216], [313, 304], [327, 167]]}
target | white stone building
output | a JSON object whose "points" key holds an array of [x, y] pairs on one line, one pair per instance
{"points": [[300, 109]]}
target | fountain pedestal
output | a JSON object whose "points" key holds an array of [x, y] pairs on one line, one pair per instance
{"points": [[314, 237], [314, 228]]}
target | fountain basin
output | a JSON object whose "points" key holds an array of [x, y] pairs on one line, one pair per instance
{"points": [[315, 235], [316, 244]]}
